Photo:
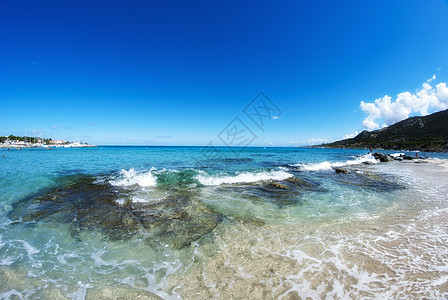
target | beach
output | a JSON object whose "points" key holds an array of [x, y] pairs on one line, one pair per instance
{"points": [[268, 224]]}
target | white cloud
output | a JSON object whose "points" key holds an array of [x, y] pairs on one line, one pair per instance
{"points": [[432, 78], [351, 135], [275, 117], [317, 141], [423, 102]]}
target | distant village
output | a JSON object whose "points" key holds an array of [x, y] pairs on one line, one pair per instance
{"points": [[18, 142]]}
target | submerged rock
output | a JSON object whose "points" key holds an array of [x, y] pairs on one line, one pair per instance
{"points": [[88, 205], [286, 192], [277, 185], [341, 170], [176, 221], [371, 181], [301, 182]]}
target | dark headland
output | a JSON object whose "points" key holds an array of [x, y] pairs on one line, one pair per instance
{"points": [[428, 133]]}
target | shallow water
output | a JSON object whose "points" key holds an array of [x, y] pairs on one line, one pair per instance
{"points": [[175, 222]]}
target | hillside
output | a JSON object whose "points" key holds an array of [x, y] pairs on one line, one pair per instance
{"points": [[428, 133]]}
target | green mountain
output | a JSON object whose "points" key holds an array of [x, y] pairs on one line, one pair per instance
{"points": [[428, 133]]}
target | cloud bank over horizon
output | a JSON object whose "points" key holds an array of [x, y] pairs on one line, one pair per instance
{"points": [[387, 111]]}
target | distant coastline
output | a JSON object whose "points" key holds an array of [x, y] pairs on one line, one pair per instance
{"points": [[19, 142]]}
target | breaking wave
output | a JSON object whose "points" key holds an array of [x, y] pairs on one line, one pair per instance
{"points": [[131, 177], [190, 177], [244, 177], [326, 165]]}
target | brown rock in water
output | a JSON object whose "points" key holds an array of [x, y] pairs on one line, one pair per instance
{"points": [[293, 179], [278, 185], [341, 170], [297, 181]]}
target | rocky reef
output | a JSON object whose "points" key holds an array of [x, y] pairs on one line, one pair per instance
{"points": [[88, 205]]}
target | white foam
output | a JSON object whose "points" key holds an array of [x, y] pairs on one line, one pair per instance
{"points": [[326, 166], [9, 294], [322, 166], [132, 177], [244, 177], [396, 154]]}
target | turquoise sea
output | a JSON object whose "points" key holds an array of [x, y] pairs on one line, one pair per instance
{"points": [[201, 223]]}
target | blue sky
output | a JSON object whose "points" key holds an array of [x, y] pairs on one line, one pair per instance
{"points": [[177, 72]]}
